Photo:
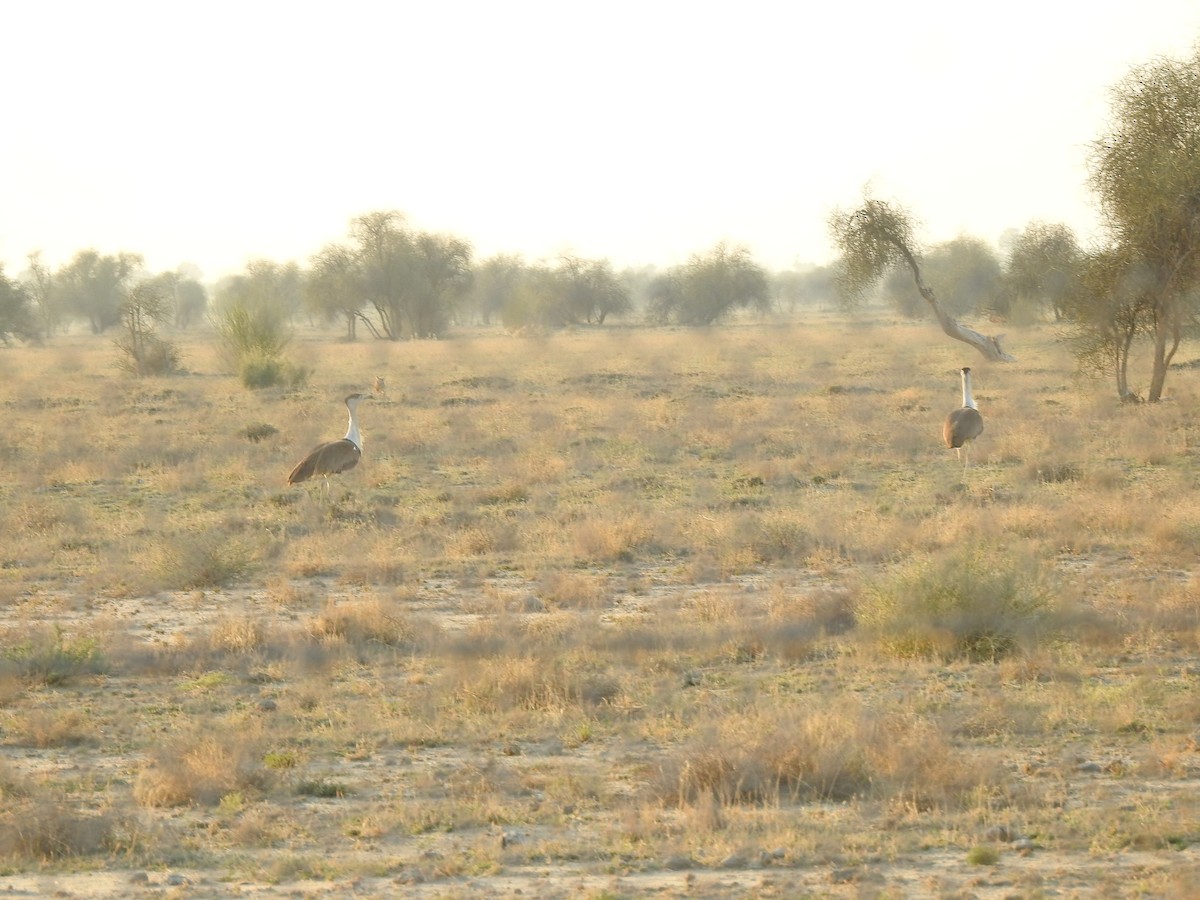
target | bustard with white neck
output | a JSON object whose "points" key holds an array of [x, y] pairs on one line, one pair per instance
{"points": [[333, 457], [964, 424]]}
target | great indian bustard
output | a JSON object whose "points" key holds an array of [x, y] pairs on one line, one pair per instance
{"points": [[964, 424], [333, 457]]}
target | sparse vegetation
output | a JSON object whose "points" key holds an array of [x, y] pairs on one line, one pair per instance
{"points": [[978, 603], [253, 332], [618, 608]]}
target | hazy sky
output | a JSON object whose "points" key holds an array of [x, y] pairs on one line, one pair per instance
{"points": [[215, 133]]}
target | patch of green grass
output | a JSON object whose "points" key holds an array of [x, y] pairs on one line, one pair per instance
{"points": [[976, 603], [982, 855], [322, 787], [280, 759], [48, 655]]}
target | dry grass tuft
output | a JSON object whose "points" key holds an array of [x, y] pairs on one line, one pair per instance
{"points": [[201, 768], [45, 728], [360, 622], [825, 755], [48, 831], [186, 561], [533, 683]]}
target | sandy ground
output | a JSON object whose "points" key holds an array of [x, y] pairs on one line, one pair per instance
{"points": [[935, 874], [1020, 872]]}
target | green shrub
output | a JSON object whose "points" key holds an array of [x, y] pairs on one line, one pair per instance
{"points": [[258, 371], [48, 656], [975, 603], [983, 856], [245, 330], [252, 339]]}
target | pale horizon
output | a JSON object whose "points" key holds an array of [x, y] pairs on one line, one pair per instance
{"points": [[220, 134]]}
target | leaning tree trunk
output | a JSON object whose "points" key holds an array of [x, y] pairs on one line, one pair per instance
{"points": [[1168, 334], [989, 346]]}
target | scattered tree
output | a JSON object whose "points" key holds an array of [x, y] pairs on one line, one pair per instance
{"points": [[414, 280], [384, 254], [1146, 172], [143, 352], [39, 282], [93, 286], [1042, 270], [494, 284], [334, 288], [710, 286], [876, 238], [803, 287], [591, 291], [1107, 312], [440, 277], [252, 325], [17, 318], [189, 300]]}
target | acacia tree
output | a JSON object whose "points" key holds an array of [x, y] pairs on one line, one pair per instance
{"points": [[1146, 172], [145, 305], [334, 288], [709, 287], [1108, 310], [39, 283], [876, 238], [94, 286], [16, 311], [439, 277], [1042, 269], [414, 279], [966, 268]]}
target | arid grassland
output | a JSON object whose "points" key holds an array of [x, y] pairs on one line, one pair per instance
{"points": [[603, 613]]}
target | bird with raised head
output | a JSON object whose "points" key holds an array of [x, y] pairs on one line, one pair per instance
{"points": [[964, 424], [333, 457]]}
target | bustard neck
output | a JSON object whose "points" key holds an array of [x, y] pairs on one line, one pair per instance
{"points": [[968, 400], [352, 433]]}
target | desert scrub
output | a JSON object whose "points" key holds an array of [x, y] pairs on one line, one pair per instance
{"points": [[976, 603], [50, 656], [838, 753], [46, 829], [201, 768], [197, 559]]}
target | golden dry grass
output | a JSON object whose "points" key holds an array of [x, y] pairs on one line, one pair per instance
{"points": [[607, 611]]}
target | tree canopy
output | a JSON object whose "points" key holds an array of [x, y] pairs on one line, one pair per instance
{"points": [[17, 318], [414, 279], [966, 269], [876, 238], [1042, 270], [93, 286], [1146, 172], [710, 286]]}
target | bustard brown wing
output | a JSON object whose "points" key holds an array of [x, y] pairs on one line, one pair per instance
{"points": [[329, 458], [962, 425]]}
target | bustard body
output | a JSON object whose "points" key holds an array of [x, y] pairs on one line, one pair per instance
{"points": [[333, 457], [964, 424]]}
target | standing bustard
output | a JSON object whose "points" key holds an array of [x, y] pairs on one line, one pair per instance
{"points": [[964, 424], [333, 457]]}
